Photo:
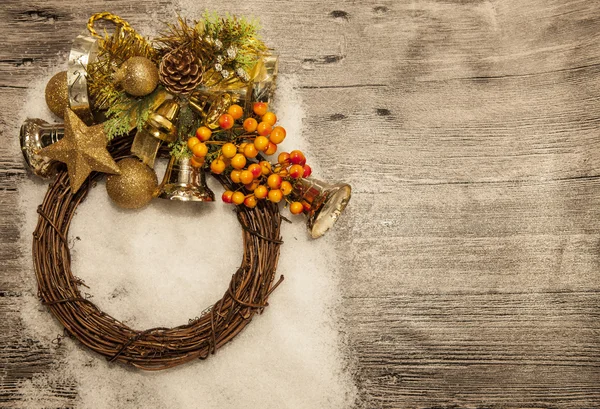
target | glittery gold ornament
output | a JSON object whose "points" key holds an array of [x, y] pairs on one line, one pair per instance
{"points": [[138, 76], [83, 149], [57, 94], [134, 187]]}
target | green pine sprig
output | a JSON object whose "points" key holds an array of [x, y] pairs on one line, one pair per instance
{"points": [[128, 112], [210, 38], [180, 150]]}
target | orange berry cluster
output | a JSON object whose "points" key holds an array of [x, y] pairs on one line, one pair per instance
{"points": [[237, 146], [262, 137], [271, 182], [198, 146]]}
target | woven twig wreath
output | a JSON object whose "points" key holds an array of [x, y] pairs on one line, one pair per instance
{"points": [[155, 348]]}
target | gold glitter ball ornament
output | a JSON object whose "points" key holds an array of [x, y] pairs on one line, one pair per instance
{"points": [[138, 76], [57, 94], [134, 187]]}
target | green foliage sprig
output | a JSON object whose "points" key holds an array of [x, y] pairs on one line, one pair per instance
{"points": [[127, 113], [228, 47], [187, 123], [179, 150]]}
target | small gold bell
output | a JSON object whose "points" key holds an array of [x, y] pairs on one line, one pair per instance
{"points": [[184, 182], [323, 203], [159, 127], [210, 105], [37, 134]]}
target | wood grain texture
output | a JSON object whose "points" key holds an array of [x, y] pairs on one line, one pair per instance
{"points": [[469, 130]]}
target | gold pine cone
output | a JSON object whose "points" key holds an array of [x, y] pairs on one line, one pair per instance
{"points": [[180, 71]]}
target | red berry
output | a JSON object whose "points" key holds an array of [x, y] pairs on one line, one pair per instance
{"points": [[275, 195], [217, 166], [261, 192], [266, 167], [286, 188], [296, 171], [238, 198], [227, 196], [226, 121], [283, 158], [271, 149], [229, 150], [250, 124], [246, 177], [277, 135], [250, 151], [203, 134], [235, 176], [255, 169], [261, 143], [238, 161], [264, 129], [260, 108], [250, 202], [274, 181], [307, 171], [191, 142], [296, 208], [235, 111], [200, 149], [270, 118], [296, 157]]}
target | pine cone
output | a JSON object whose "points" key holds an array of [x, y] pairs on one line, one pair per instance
{"points": [[180, 71]]}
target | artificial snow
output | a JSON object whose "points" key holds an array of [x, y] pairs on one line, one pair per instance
{"points": [[163, 265]]}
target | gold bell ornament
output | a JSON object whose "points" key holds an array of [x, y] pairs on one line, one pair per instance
{"points": [[37, 134], [323, 203], [184, 182], [159, 127], [210, 105]]}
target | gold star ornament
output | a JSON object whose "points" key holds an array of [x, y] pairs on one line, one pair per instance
{"points": [[83, 149]]}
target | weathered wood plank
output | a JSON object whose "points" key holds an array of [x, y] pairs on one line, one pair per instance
{"points": [[516, 350], [435, 135], [362, 43]]}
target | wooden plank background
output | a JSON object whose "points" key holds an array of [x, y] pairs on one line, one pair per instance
{"points": [[469, 130]]}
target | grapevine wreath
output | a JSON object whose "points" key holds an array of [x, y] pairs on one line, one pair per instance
{"points": [[198, 94]]}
